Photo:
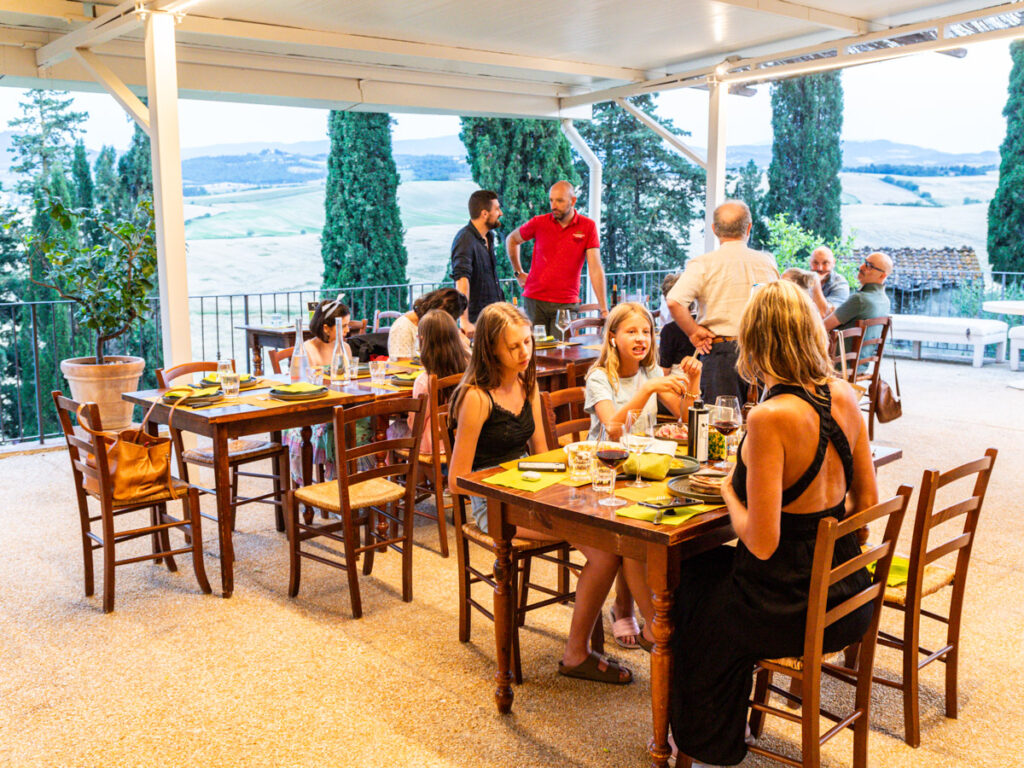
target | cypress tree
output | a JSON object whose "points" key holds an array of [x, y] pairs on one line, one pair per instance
{"points": [[748, 189], [135, 172], [105, 187], [82, 176], [362, 241], [650, 194], [1006, 211], [803, 178], [519, 160], [42, 137]]}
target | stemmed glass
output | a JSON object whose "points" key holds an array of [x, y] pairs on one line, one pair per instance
{"points": [[638, 437], [728, 418], [563, 319], [612, 454]]}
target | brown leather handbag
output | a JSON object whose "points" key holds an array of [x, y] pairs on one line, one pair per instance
{"points": [[888, 405], [138, 463]]}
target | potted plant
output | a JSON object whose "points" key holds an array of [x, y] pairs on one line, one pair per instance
{"points": [[110, 281]]}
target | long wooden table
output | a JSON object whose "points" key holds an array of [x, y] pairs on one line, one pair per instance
{"points": [[578, 354], [253, 413], [574, 514], [259, 336]]}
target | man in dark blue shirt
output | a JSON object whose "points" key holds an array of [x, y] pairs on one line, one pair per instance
{"points": [[473, 267]]}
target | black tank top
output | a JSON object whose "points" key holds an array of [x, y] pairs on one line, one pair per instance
{"points": [[828, 431], [504, 436]]}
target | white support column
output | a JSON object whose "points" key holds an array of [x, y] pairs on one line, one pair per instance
{"points": [[168, 203], [715, 190], [596, 170]]}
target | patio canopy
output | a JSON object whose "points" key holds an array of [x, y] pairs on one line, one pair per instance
{"points": [[518, 58]]}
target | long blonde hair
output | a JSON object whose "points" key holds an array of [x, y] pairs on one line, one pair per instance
{"points": [[609, 358], [782, 336], [484, 369]]}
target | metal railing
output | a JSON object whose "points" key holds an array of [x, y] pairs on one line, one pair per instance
{"points": [[36, 336]]}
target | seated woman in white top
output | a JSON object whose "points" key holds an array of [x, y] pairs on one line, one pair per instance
{"points": [[402, 337]]}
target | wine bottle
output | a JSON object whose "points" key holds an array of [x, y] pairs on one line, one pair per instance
{"points": [[299, 368], [339, 357], [615, 294]]}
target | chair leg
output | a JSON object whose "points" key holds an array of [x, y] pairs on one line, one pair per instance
{"points": [[164, 537], [234, 496], [351, 569], [108, 573], [368, 527], [761, 683], [442, 523], [465, 611], [952, 657], [155, 536], [563, 570], [408, 504], [191, 505], [279, 470], [911, 712], [291, 519], [87, 560], [524, 579]]}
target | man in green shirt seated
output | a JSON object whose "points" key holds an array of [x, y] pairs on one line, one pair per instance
{"points": [[870, 301]]}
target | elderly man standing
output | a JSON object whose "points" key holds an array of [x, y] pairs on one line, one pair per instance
{"points": [[870, 301], [721, 282], [563, 239], [473, 267], [833, 285]]}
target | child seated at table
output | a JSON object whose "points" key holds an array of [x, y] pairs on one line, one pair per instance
{"points": [[328, 318], [497, 413], [625, 378]]}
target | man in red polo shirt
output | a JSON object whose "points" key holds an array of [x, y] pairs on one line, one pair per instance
{"points": [[562, 239]]}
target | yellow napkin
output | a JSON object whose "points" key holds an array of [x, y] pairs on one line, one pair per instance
{"points": [[670, 516], [652, 466], [643, 494], [513, 478], [299, 387], [592, 346], [194, 393], [410, 376], [899, 571], [242, 377]]}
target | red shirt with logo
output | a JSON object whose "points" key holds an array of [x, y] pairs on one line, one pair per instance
{"points": [[558, 255]]}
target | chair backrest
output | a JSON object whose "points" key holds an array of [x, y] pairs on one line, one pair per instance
{"points": [[586, 325], [563, 414], [820, 615], [923, 552], [164, 376], [277, 355], [348, 456], [357, 326], [382, 319], [439, 392], [82, 444], [588, 310], [872, 347], [844, 349]]}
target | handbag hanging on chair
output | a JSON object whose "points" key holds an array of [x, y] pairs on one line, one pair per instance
{"points": [[888, 405], [139, 464]]}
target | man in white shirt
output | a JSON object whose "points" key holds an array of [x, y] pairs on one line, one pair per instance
{"points": [[721, 282]]}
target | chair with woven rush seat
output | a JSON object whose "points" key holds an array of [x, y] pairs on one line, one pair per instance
{"points": [[924, 578], [91, 472], [277, 355], [820, 615], [564, 419], [357, 497], [382, 319], [241, 451], [586, 325]]}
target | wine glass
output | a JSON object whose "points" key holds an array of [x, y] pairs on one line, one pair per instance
{"points": [[563, 319], [728, 418], [638, 436], [613, 454]]}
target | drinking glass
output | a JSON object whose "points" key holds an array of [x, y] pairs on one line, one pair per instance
{"points": [[378, 371], [727, 419], [227, 378], [638, 436], [563, 319], [539, 334], [604, 485], [612, 454], [581, 458], [316, 375]]}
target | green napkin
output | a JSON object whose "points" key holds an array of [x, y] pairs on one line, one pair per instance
{"points": [[409, 376], [298, 387], [899, 571], [653, 466], [206, 392], [513, 478], [670, 517]]}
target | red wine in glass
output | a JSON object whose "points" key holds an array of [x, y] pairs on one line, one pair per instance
{"points": [[612, 457], [725, 427]]}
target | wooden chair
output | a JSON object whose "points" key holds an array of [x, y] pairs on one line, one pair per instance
{"points": [[844, 348], [523, 553], [432, 479], [82, 444], [925, 579], [382, 319], [580, 327], [564, 419], [277, 355], [590, 310], [241, 451], [861, 356], [356, 326], [367, 492], [809, 668]]}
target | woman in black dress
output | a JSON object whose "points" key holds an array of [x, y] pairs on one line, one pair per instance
{"points": [[805, 456]]}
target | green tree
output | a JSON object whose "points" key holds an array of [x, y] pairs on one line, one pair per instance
{"points": [[803, 178], [362, 241], [519, 160], [1006, 211], [650, 195], [82, 176], [105, 175], [43, 137], [747, 187], [134, 172]]}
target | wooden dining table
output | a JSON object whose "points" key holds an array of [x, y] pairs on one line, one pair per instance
{"points": [[253, 412], [581, 353], [278, 337], [574, 514]]}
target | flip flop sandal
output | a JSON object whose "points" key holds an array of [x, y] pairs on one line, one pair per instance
{"points": [[598, 668], [624, 627]]}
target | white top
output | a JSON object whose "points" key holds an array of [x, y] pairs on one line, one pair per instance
{"points": [[402, 338], [600, 388], [721, 282]]}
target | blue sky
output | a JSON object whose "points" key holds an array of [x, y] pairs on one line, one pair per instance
{"points": [[931, 100]]}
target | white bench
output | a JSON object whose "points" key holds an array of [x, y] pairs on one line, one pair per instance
{"points": [[1016, 345], [951, 330]]}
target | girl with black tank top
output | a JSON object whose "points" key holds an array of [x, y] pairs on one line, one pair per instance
{"points": [[805, 457], [497, 417]]}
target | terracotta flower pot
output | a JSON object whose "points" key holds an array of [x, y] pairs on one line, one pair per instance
{"points": [[103, 385]]}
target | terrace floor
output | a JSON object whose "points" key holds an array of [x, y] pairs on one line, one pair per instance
{"points": [[263, 679]]}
